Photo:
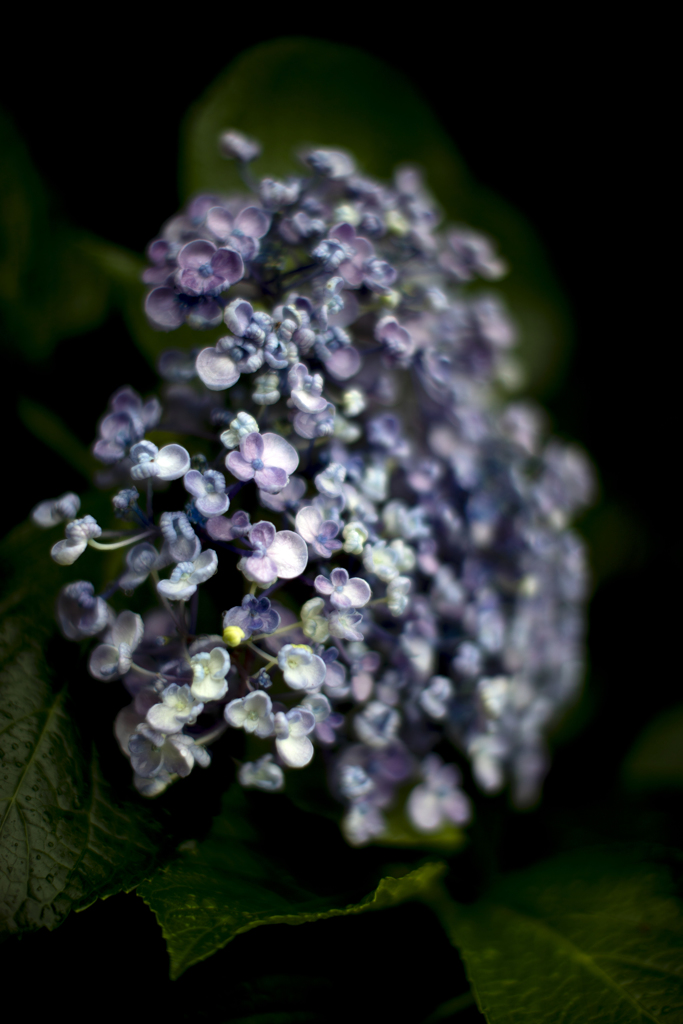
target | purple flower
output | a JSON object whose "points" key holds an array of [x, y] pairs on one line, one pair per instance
{"points": [[205, 270], [181, 544], [306, 389], [80, 613], [342, 591], [254, 616], [169, 463], [470, 254], [216, 369], [395, 338], [265, 458], [126, 424], [166, 309], [276, 554], [208, 490], [240, 317], [287, 499], [315, 424], [220, 528], [242, 232], [78, 533], [318, 532], [113, 658], [331, 163]]}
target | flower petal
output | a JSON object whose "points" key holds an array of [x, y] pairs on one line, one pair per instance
{"points": [[278, 452], [289, 553], [308, 522], [216, 370], [172, 462]]}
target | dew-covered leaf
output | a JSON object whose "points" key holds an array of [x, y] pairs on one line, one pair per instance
{"points": [[226, 885], [595, 935], [294, 92], [64, 839]]}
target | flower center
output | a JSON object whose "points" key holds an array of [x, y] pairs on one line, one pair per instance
{"points": [[205, 270], [257, 464]]}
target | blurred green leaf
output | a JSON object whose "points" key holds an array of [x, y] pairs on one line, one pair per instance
{"points": [[49, 288], [225, 885], [594, 935], [295, 91], [656, 759], [53, 432]]}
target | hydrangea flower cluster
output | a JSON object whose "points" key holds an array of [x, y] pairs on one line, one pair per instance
{"points": [[392, 535]]}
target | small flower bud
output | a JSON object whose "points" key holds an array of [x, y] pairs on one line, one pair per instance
{"points": [[233, 636]]}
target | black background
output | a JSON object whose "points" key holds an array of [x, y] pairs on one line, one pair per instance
{"points": [[566, 121]]}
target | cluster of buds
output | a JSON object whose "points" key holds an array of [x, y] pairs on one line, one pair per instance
{"points": [[391, 535]]}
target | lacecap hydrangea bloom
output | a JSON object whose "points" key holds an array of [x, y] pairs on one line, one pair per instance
{"points": [[391, 535]]}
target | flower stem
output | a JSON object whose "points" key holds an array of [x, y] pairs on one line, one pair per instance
{"points": [[119, 543]]}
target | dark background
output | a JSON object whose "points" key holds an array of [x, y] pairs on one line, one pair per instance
{"points": [[565, 122]]}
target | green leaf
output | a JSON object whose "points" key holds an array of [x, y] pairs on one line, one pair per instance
{"points": [[595, 935], [225, 886], [656, 759], [64, 839], [294, 91]]}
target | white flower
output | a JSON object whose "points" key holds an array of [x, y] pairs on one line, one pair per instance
{"points": [[377, 724], [353, 401], [209, 669], [242, 425], [56, 510], [178, 708], [291, 730], [169, 463], [363, 822], [355, 535], [314, 622], [330, 481], [253, 713], [494, 693], [186, 576], [381, 560], [262, 774], [397, 594], [301, 668], [78, 533], [439, 799]]}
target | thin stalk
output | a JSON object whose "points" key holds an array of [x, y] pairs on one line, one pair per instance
{"points": [[119, 543]]}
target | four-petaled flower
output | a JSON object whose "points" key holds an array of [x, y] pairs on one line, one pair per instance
{"points": [[439, 798], [178, 708], [253, 713], [301, 668], [320, 533], [209, 669], [242, 232], [208, 490], [113, 658], [253, 616], [267, 459], [342, 591], [155, 754], [262, 774], [205, 270], [275, 554]]}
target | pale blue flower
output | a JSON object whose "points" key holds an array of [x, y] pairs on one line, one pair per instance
{"points": [[209, 669], [262, 774], [301, 668], [292, 731]]}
